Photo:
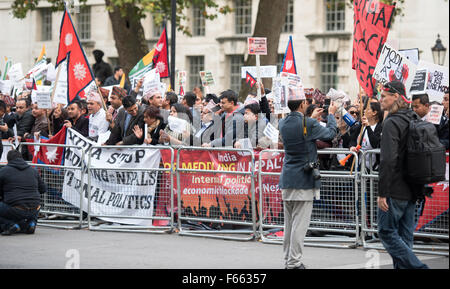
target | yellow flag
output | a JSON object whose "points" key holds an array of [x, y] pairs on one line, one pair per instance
{"points": [[122, 81], [42, 53]]}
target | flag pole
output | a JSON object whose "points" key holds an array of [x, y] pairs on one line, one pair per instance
{"points": [[173, 26]]}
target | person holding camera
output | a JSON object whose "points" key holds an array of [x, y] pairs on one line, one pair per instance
{"points": [[300, 176]]}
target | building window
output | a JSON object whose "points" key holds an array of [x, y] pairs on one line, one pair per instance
{"points": [[243, 17], [289, 22], [236, 62], [196, 64], [46, 27], [198, 28], [157, 29], [328, 71], [335, 15], [84, 23], [280, 58]]}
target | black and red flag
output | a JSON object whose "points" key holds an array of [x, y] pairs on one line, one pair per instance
{"points": [[79, 73], [250, 79]]}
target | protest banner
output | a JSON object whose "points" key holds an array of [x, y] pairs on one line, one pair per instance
{"points": [[6, 87], [411, 54], [42, 96], [435, 114], [214, 194], [420, 82], [393, 66], [371, 27], [151, 82], [113, 192], [207, 78], [437, 80], [279, 95], [268, 71], [257, 45]]}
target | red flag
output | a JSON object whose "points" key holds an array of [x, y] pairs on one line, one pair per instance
{"points": [[79, 74], [181, 91], [160, 59], [250, 79], [371, 28], [289, 59], [51, 155]]}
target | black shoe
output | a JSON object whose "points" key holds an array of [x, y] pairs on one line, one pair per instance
{"points": [[11, 230], [301, 266], [31, 227]]}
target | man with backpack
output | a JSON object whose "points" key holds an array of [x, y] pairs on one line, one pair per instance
{"points": [[397, 194]]}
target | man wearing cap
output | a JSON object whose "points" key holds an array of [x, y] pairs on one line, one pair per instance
{"points": [[299, 180], [396, 197], [97, 116], [127, 120], [102, 70], [155, 98]]}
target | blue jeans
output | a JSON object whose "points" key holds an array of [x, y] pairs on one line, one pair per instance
{"points": [[10, 216], [396, 229]]}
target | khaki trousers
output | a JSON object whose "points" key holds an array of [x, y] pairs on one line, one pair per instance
{"points": [[297, 215]]}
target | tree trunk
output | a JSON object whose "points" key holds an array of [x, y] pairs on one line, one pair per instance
{"points": [[129, 35], [269, 22]]}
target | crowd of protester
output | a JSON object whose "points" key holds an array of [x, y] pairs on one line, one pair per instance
{"points": [[209, 120]]}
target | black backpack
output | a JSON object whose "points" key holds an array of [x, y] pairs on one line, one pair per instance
{"points": [[425, 154]]}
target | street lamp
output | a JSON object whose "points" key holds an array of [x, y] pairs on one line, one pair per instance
{"points": [[438, 51]]}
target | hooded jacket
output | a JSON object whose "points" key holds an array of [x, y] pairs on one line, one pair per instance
{"points": [[20, 184], [392, 180]]}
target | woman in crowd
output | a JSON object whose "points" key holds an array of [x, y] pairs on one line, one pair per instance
{"points": [[169, 135], [371, 136], [57, 117], [155, 124]]}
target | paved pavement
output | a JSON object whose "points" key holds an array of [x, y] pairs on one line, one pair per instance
{"points": [[51, 248]]}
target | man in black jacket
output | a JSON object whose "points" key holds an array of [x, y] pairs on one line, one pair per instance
{"points": [[123, 132], [20, 189], [396, 197]]}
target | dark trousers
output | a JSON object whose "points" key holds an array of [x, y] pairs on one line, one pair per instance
{"points": [[12, 215]]}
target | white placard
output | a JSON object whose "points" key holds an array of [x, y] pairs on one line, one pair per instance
{"points": [[435, 114], [412, 54], [257, 45], [6, 86], [269, 71], [60, 95], [42, 96], [392, 65], [151, 82], [177, 125], [15, 72], [271, 132], [246, 143], [51, 72], [437, 80]]}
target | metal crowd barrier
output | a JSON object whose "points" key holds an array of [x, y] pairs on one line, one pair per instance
{"points": [[55, 211], [335, 215], [431, 238], [240, 215], [123, 199]]}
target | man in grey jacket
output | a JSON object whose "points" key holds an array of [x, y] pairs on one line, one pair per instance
{"points": [[298, 183]]}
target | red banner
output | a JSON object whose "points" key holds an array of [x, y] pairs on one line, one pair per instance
{"points": [[214, 195], [372, 21]]}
